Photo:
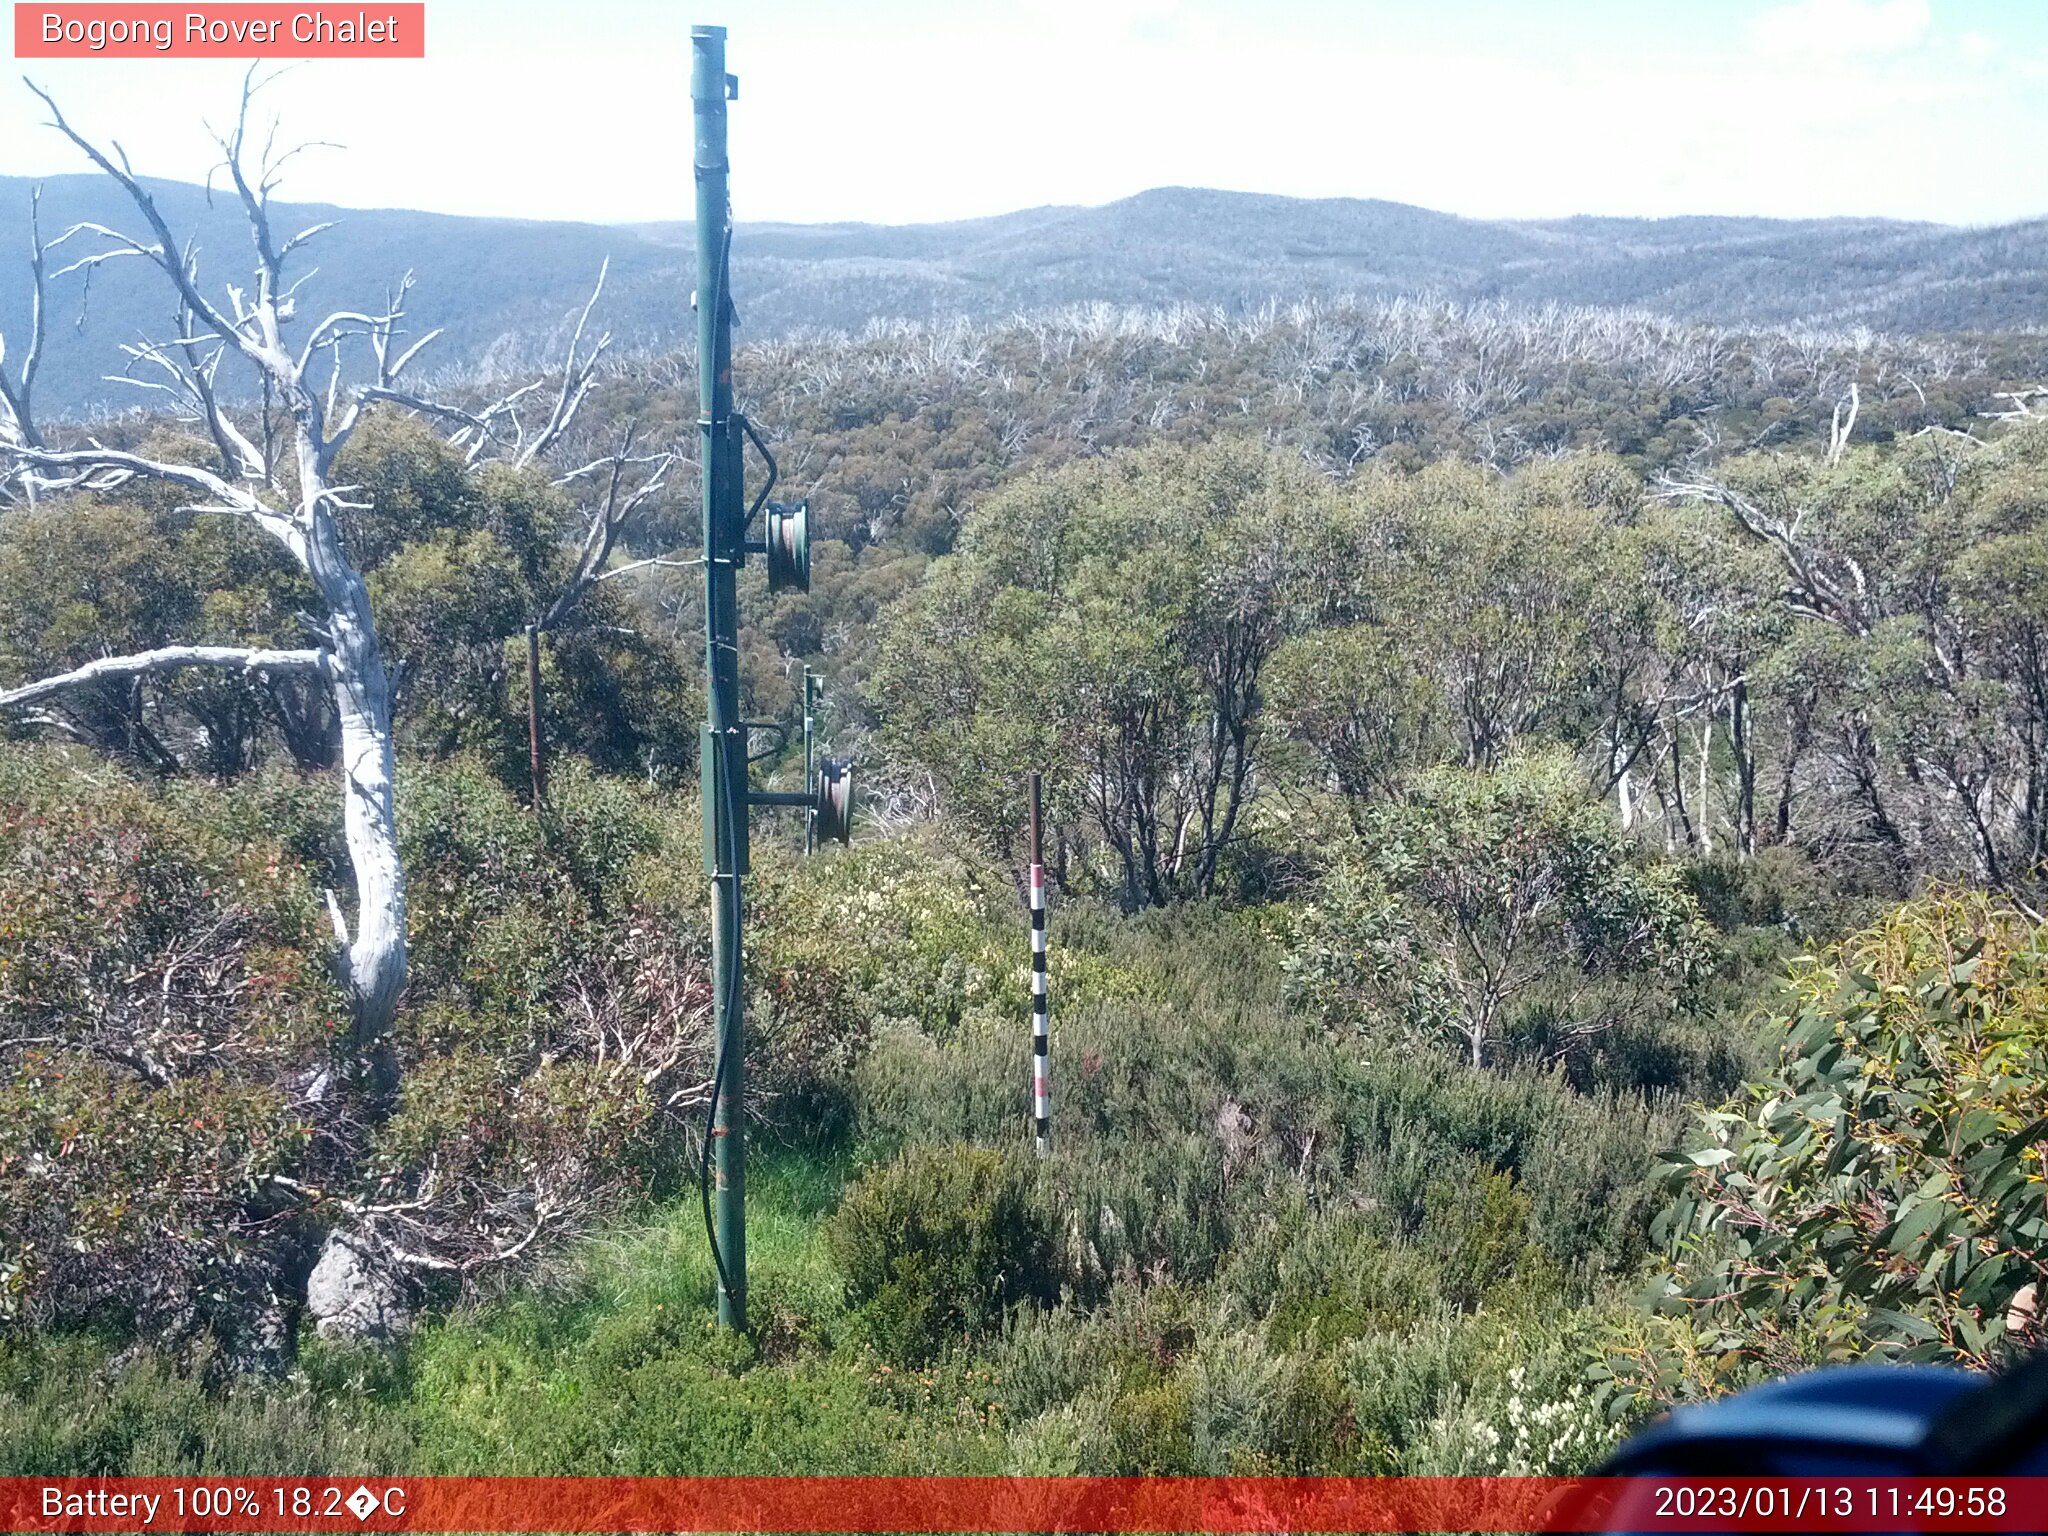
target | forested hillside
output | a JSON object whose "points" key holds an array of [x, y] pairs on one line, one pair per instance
{"points": [[1513, 774], [521, 281], [1184, 245]]}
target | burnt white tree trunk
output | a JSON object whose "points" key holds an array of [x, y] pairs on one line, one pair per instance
{"points": [[362, 705], [298, 511]]}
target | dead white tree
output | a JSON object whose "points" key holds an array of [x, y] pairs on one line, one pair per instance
{"points": [[2019, 404], [626, 483], [1844, 423], [17, 416], [1831, 587], [278, 473]]}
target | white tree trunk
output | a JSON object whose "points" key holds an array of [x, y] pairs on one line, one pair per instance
{"points": [[1705, 811], [362, 703], [376, 953]]}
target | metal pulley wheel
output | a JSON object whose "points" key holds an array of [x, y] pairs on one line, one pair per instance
{"points": [[834, 808], [789, 547]]}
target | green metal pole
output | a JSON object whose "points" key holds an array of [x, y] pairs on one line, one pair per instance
{"points": [[810, 736], [724, 741]]}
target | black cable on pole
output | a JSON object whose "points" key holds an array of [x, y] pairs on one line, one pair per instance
{"points": [[732, 861], [732, 992]]}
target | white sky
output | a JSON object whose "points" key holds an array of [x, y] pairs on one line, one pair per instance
{"points": [[908, 110]]}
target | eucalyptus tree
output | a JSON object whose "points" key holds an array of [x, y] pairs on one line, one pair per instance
{"points": [[1501, 910], [1907, 574], [1113, 623], [1875, 1193], [1362, 706]]}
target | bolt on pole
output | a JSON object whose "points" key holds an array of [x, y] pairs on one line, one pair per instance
{"points": [[1041, 1032], [724, 742]]}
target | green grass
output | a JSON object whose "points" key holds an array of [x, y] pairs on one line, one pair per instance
{"points": [[619, 1369], [665, 1262], [625, 1372]]}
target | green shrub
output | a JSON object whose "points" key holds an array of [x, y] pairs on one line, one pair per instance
{"points": [[1322, 1275], [1879, 1192], [1500, 1392], [1151, 1431], [121, 1202], [1138, 1335], [171, 1007], [165, 988], [1064, 1441], [937, 1247], [494, 922], [124, 914], [1156, 1205], [1190, 1110], [1475, 1221], [897, 934], [1236, 1390], [1580, 1159], [1503, 914], [1165, 1379]]}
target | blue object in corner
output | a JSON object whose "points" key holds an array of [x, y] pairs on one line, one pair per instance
{"points": [[1874, 1420]]}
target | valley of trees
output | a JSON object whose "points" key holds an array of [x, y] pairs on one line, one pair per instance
{"points": [[1543, 806]]}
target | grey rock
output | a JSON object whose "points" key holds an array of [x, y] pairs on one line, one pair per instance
{"points": [[353, 1294]]}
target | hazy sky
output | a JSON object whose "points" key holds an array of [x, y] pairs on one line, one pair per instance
{"points": [[903, 110]]}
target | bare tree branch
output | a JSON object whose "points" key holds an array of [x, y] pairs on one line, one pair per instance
{"points": [[1840, 599], [248, 340], [2021, 406], [170, 658], [96, 468], [1843, 424], [608, 519], [659, 562], [577, 377]]}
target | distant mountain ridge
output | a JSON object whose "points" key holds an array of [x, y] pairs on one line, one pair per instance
{"points": [[504, 289]]}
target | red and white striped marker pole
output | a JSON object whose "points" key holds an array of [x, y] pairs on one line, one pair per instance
{"points": [[1041, 1036]]}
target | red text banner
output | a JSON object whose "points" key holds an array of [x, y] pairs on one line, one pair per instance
{"points": [[233, 31], [995, 1504]]}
